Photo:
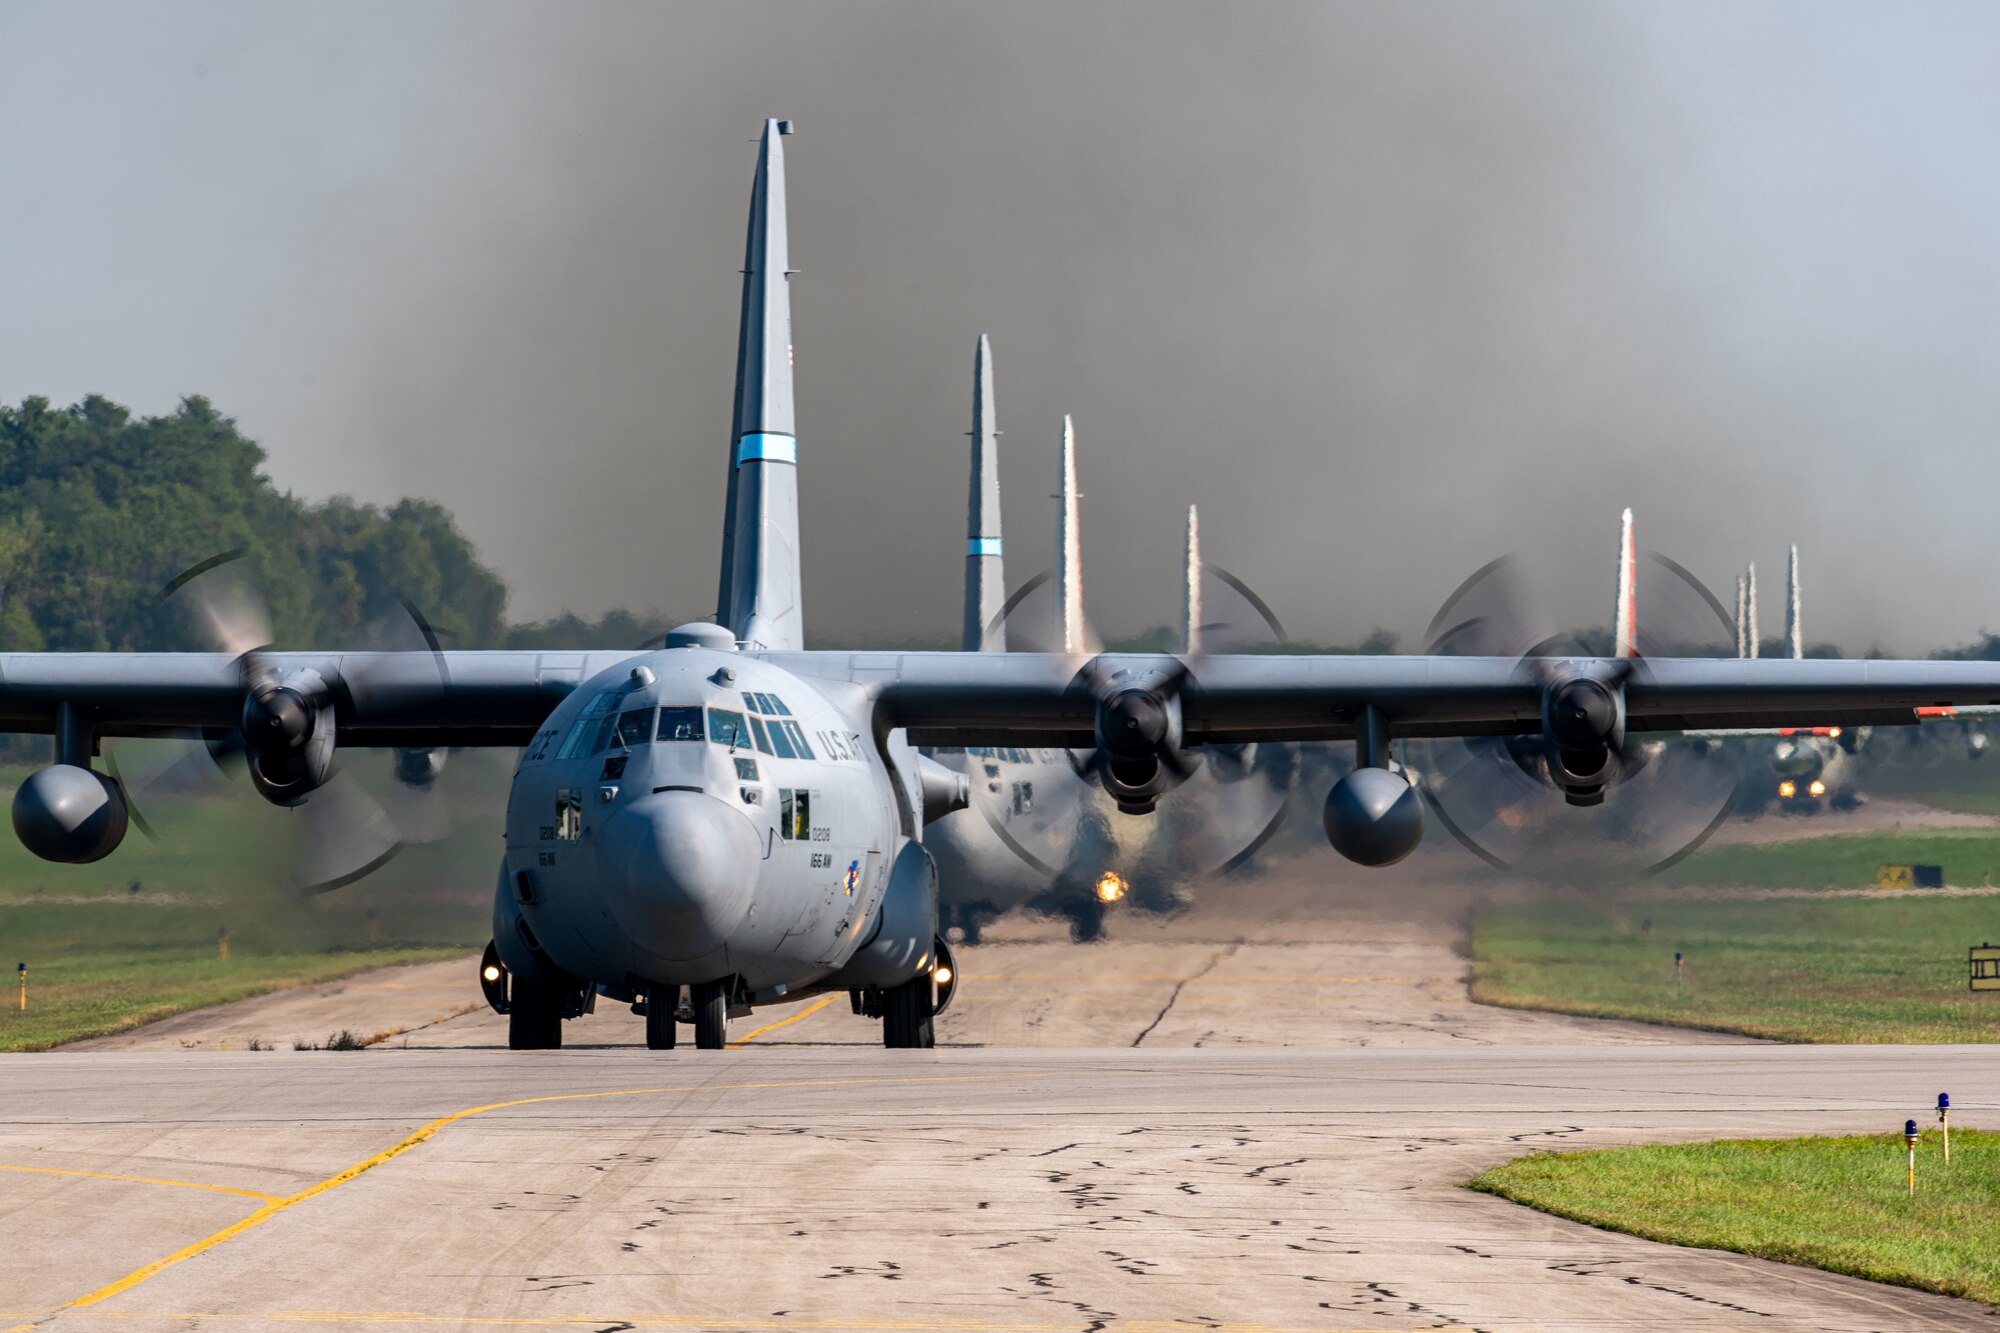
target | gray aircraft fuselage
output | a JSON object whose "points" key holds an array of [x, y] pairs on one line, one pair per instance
{"points": [[694, 813]]}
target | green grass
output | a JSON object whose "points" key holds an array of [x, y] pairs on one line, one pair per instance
{"points": [[1835, 1203], [133, 938], [1970, 857], [1793, 969], [95, 994]]}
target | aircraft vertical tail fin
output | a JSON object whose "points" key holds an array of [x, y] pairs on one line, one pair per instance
{"points": [[1625, 628], [1749, 622], [1795, 644], [759, 598], [985, 572], [1069, 551], [1191, 587]]}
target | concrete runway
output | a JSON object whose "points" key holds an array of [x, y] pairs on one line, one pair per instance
{"points": [[1121, 1160]]}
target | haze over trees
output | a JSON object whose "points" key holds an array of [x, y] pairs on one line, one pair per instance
{"points": [[100, 510]]}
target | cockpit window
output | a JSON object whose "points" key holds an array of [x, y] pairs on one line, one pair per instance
{"points": [[635, 726], [757, 730], [680, 724], [780, 741], [593, 727], [778, 705], [750, 701], [798, 739], [727, 728]]}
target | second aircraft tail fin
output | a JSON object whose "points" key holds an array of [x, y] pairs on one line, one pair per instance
{"points": [[985, 571]]}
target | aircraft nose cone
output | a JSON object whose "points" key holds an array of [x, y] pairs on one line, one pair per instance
{"points": [[678, 870]]}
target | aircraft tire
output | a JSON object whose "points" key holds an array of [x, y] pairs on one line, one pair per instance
{"points": [[534, 1019], [711, 1015], [906, 1015], [662, 1020]]}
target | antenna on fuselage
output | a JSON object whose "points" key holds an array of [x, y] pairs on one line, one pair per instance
{"points": [[759, 596], [985, 573]]}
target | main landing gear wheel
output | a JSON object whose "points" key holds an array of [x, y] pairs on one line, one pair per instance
{"points": [[534, 1018], [662, 1017], [906, 1015], [711, 1015]]}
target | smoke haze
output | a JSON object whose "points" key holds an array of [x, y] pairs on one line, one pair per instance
{"points": [[1386, 289]]}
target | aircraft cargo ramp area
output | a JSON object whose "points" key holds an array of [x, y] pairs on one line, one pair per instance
{"points": [[1258, 1118]]}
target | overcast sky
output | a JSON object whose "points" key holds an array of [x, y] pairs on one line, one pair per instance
{"points": [[1387, 289]]}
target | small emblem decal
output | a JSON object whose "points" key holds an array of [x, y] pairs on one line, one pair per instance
{"points": [[853, 876]]}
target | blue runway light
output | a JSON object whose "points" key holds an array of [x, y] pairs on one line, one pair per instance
{"points": [[1944, 1101]]}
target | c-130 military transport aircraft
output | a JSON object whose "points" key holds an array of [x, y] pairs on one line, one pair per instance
{"points": [[734, 815]]}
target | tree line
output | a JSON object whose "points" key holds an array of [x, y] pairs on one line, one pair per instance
{"points": [[101, 510]]}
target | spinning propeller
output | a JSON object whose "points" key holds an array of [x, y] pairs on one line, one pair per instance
{"points": [[286, 739], [1529, 802], [1140, 757]]}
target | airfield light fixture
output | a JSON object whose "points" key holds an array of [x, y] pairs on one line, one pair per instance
{"points": [[1910, 1141], [1944, 1119]]}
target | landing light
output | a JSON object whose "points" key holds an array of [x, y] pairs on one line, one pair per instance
{"points": [[943, 975], [1818, 788], [492, 972], [1110, 887], [1788, 789], [1833, 732]]}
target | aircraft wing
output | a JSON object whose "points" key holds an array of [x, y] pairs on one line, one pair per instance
{"points": [[1034, 699], [410, 699], [1027, 699]]}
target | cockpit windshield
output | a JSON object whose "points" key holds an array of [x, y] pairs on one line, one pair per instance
{"points": [[680, 724], [727, 728], [635, 727]]}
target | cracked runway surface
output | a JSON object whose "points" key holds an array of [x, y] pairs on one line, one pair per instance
{"points": [[1258, 1116], [860, 1189]]}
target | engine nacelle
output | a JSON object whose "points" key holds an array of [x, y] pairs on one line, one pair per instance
{"points": [[1583, 722], [420, 768], [288, 737], [68, 813], [1374, 817], [944, 789], [1139, 744]]}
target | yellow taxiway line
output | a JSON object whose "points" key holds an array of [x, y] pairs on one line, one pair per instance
{"points": [[140, 1180], [806, 1012]]}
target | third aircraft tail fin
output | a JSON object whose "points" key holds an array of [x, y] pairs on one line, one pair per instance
{"points": [[1069, 552]]}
